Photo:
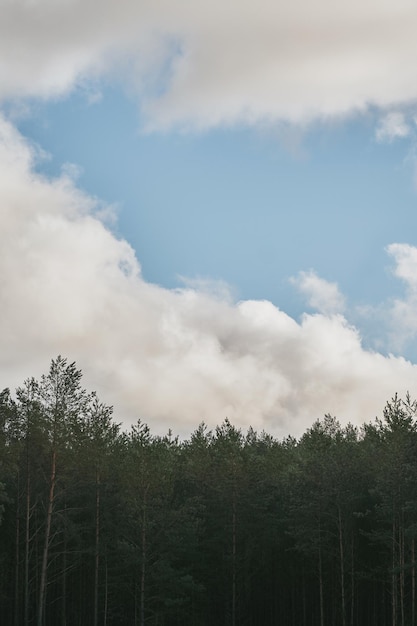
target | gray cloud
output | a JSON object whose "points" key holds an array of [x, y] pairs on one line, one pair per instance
{"points": [[205, 64]]}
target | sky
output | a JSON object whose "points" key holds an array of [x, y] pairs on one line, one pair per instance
{"points": [[211, 207]]}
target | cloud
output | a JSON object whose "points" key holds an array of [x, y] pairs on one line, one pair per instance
{"points": [[402, 312], [200, 65], [323, 296], [405, 257], [392, 126], [171, 357]]}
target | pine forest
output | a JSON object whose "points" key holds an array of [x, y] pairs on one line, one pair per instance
{"points": [[103, 525]]}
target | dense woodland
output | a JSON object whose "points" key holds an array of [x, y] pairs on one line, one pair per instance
{"points": [[105, 527]]}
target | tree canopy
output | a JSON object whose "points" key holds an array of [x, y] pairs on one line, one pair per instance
{"points": [[101, 525]]}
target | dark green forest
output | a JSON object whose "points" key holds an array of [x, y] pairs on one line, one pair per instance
{"points": [[102, 526]]}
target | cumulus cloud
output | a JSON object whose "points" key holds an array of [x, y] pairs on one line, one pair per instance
{"points": [[172, 357], [402, 312], [322, 295], [205, 64], [392, 126]]}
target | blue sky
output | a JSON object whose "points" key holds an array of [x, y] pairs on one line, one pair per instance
{"points": [[239, 205], [212, 208], [251, 207]]}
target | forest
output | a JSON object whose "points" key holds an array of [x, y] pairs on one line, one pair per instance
{"points": [[101, 525]]}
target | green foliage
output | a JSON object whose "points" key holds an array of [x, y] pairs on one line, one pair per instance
{"points": [[225, 528]]}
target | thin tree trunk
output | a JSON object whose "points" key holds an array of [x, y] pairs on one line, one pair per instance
{"points": [[402, 570], [352, 582], [64, 572], [393, 577], [17, 555], [234, 561], [304, 600], [45, 554], [97, 548], [64, 588], [413, 584], [106, 591], [342, 568], [321, 586], [27, 541], [143, 565]]}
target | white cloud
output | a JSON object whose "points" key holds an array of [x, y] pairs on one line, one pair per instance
{"points": [[201, 64], [402, 312], [392, 126], [322, 295], [173, 358], [217, 289], [406, 263]]}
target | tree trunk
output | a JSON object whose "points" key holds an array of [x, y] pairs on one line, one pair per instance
{"points": [[97, 548], [234, 560], [342, 568], [402, 570], [42, 585], [413, 584], [352, 582], [17, 555], [64, 572], [304, 600], [321, 586], [27, 541], [143, 565], [106, 591], [393, 577]]}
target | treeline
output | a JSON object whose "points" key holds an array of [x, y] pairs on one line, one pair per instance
{"points": [[104, 527]]}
